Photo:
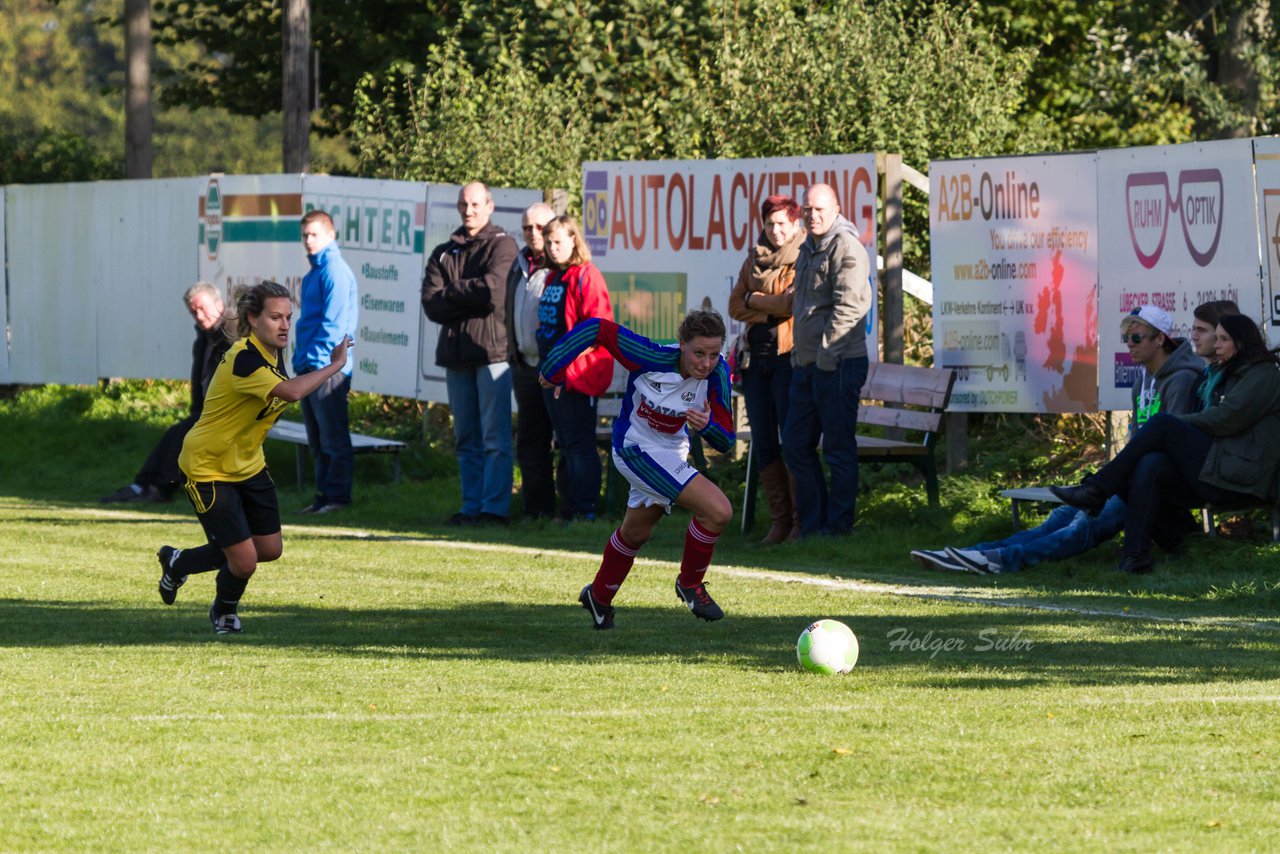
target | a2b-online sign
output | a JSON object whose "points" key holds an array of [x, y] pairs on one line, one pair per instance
{"points": [[1197, 201]]}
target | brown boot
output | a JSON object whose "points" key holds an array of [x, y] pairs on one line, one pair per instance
{"points": [[774, 479]]}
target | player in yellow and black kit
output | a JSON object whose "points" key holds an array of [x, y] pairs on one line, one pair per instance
{"points": [[227, 479]]}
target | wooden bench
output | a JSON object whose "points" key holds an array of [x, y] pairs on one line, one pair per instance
{"points": [[1027, 495], [900, 401], [1206, 515], [295, 432]]}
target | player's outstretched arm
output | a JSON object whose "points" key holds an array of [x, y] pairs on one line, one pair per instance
{"points": [[299, 387]]}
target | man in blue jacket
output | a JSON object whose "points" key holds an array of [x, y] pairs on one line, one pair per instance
{"points": [[328, 313]]}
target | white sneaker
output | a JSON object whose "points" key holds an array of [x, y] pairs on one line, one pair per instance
{"points": [[938, 560], [972, 561]]}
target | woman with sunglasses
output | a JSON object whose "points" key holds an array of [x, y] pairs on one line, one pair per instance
{"points": [[1228, 453]]}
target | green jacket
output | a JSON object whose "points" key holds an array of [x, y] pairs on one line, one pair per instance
{"points": [[1245, 456]]}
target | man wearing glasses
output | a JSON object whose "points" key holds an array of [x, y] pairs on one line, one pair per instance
{"points": [[1165, 380], [533, 425]]}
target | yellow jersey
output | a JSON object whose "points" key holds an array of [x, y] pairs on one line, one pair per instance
{"points": [[226, 443]]}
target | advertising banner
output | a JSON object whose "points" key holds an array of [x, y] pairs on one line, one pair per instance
{"points": [[1178, 226], [1267, 169], [671, 235], [249, 231], [380, 227], [1015, 278], [442, 220]]}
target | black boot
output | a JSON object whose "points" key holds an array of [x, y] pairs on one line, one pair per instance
{"points": [[1086, 497], [1135, 564]]}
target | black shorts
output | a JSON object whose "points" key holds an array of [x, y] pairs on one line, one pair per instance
{"points": [[232, 512]]}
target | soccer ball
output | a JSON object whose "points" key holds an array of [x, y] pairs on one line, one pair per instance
{"points": [[827, 646]]}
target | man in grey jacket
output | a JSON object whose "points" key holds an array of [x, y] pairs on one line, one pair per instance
{"points": [[832, 300]]}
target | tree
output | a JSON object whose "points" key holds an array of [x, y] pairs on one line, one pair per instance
{"points": [[296, 88], [137, 105]]}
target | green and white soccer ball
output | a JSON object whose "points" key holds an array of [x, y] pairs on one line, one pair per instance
{"points": [[827, 646]]}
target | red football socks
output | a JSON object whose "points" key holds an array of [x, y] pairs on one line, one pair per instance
{"points": [[699, 543], [614, 566]]}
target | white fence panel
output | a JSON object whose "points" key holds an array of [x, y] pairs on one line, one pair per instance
{"points": [[52, 273], [4, 299], [144, 261]]}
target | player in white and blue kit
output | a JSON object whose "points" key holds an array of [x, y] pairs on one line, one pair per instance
{"points": [[670, 391]]}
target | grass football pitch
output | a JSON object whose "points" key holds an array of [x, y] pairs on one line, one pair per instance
{"points": [[407, 691]]}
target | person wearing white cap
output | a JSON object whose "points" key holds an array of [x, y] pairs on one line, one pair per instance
{"points": [[1168, 370], [1170, 367]]}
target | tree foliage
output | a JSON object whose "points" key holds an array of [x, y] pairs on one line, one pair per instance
{"points": [[778, 80], [63, 107], [47, 156], [1135, 72]]}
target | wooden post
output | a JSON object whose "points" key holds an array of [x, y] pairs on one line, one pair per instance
{"points": [[891, 311], [138, 152], [297, 93], [957, 441], [1116, 430], [558, 199]]}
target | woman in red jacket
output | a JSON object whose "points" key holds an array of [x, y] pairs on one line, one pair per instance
{"points": [[575, 291]]}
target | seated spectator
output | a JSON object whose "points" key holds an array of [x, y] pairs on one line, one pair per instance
{"points": [[1203, 339], [1228, 453], [160, 476], [1168, 373]]}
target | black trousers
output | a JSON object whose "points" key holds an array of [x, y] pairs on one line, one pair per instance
{"points": [[533, 442], [161, 467], [1160, 466]]}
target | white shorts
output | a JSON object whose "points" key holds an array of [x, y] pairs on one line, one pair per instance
{"points": [[657, 475]]}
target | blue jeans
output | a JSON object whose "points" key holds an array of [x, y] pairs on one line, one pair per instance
{"points": [[480, 400], [825, 404], [573, 416], [1066, 533], [324, 412], [766, 386]]}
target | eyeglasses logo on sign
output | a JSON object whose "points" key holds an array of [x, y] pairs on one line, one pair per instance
{"points": [[212, 218], [595, 211], [1198, 204]]}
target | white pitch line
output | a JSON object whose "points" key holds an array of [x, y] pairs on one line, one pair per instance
{"points": [[631, 712], [902, 587], [974, 596]]}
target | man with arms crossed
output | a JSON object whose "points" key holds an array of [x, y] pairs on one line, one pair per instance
{"points": [[464, 290]]}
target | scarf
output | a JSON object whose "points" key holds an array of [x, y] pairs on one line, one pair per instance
{"points": [[769, 263]]}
